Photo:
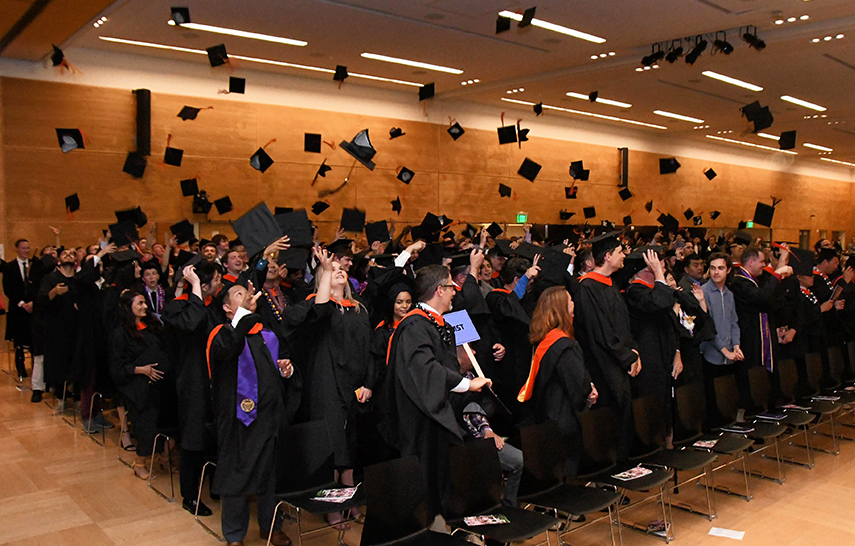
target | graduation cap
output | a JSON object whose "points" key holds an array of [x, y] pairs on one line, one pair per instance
{"points": [[237, 85], [172, 156], [69, 139], [122, 233], [589, 212], [698, 220], [787, 140], [669, 222], [456, 131], [377, 231], [592, 96], [340, 73], [319, 207], [180, 15], [223, 204], [742, 225], [294, 257], [296, 225], [469, 232], [426, 91], [406, 175], [396, 132], [353, 220], [605, 242], [494, 230], [57, 57], [135, 164], [217, 55], [312, 143], [396, 205], [714, 214], [125, 256], [340, 247], [570, 192], [688, 213], [188, 112], [763, 214], [529, 169], [72, 203], [282, 210], [189, 187], [527, 17], [625, 194], [257, 229], [361, 149], [134, 216], [578, 171], [538, 108], [742, 237], [668, 165], [445, 220], [323, 170], [522, 135], [459, 260], [504, 191], [760, 116], [201, 205], [801, 261], [183, 231], [503, 24], [185, 259], [648, 206], [710, 174], [566, 215], [260, 161], [507, 134], [627, 220]]}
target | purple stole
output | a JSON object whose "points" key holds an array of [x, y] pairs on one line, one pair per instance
{"points": [[765, 332], [247, 378]]}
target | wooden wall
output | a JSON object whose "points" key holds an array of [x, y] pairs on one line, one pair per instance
{"points": [[459, 179]]}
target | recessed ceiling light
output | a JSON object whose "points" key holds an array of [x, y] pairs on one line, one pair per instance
{"points": [[589, 114], [779, 22], [751, 144], [804, 103], [599, 100], [839, 36], [804, 17], [241, 33], [555, 28], [732, 81], [837, 161], [815, 40], [791, 19], [818, 147], [767, 135], [612, 53], [639, 69], [677, 116], [417, 64], [827, 38]]}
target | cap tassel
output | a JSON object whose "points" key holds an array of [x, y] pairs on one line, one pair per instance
{"points": [[775, 201], [330, 143], [269, 142], [70, 67], [68, 214], [85, 138]]}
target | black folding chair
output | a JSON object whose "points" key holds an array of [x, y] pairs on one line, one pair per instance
{"points": [[543, 484], [397, 509], [825, 410], [476, 489], [207, 529], [797, 420], [306, 465]]}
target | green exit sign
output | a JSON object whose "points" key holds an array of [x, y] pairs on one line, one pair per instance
{"points": [[522, 218], [749, 224]]}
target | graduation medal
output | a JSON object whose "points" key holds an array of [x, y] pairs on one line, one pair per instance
{"points": [[247, 405]]}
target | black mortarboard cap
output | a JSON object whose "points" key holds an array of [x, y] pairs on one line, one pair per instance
{"points": [[445, 220], [570, 192], [135, 216], [406, 175], [57, 56], [669, 222], [324, 169], [237, 85], [527, 17], [668, 165], [494, 230], [801, 261], [589, 212], [361, 149], [592, 96], [257, 229], [223, 204], [553, 265], [135, 165], [648, 206], [742, 237], [282, 210], [296, 225], [688, 213], [294, 257], [189, 187], [319, 207], [122, 233], [188, 112], [503, 24], [69, 139], [627, 220], [504, 191], [714, 214], [396, 132], [426, 91], [396, 205], [456, 131], [578, 171], [429, 229], [538, 108], [72, 203], [340, 247], [763, 214], [625, 194], [125, 256], [710, 174], [605, 242], [528, 250], [698, 220], [787, 141], [217, 55], [377, 231], [459, 260], [312, 143], [340, 73], [353, 220], [180, 15], [173, 156], [183, 231], [260, 161], [507, 134], [529, 170], [566, 214], [742, 225], [760, 116]]}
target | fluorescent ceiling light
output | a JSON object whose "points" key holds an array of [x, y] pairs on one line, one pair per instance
{"points": [[417, 64], [677, 116], [731, 81], [804, 103], [588, 114], [599, 99], [751, 144], [817, 147], [241, 33], [258, 60], [837, 161], [554, 28], [767, 135]]}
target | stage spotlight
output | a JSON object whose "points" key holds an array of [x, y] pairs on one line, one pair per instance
{"points": [[674, 54], [700, 47], [752, 40], [654, 57], [722, 44]]}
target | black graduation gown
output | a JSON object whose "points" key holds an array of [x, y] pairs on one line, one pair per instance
{"points": [[512, 326], [823, 289], [416, 396], [246, 454], [469, 298], [90, 352], [690, 341], [126, 353], [753, 298], [650, 312], [38, 272]]}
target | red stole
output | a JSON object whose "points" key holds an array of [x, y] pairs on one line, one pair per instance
{"points": [[599, 277]]}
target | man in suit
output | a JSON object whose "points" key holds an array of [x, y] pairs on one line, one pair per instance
{"points": [[16, 286]]}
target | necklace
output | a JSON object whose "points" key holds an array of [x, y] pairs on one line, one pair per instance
{"points": [[446, 332]]}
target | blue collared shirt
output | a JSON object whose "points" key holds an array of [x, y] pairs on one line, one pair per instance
{"points": [[722, 308]]}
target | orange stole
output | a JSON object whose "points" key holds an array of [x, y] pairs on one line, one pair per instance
{"points": [[547, 342]]}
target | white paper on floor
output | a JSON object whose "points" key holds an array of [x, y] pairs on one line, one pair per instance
{"points": [[727, 533]]}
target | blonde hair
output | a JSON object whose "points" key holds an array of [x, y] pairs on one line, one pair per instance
{"points": [[551, 313], [348, 292]]}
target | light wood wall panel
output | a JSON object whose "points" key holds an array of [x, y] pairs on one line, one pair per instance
{"points": [[456, 178]]}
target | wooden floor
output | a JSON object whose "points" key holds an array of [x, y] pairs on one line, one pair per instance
{"points": [[57, 488]]}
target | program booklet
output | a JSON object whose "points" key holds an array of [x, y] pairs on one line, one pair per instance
{"points": [[633, 473], [488, 519], [705, 444], [335, 495]]}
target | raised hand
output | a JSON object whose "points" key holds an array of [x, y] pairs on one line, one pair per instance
{"points": [[532, 271]]}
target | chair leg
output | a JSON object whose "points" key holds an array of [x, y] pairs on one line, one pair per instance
{"points": [[166, 440], [199, 499], [122, 425]]}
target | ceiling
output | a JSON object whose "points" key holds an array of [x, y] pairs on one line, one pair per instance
{"points": [[545, 64]]}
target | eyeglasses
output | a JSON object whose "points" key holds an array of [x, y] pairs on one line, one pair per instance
{"points": [[447, 285]]}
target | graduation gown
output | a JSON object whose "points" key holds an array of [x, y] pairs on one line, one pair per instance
{"points": [[755, 300], [650, 311], [126, 353], [512, 326], [469, 298]]}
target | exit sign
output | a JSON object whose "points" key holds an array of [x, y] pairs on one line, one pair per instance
{"points": [[749, 224], [522, 218]]}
